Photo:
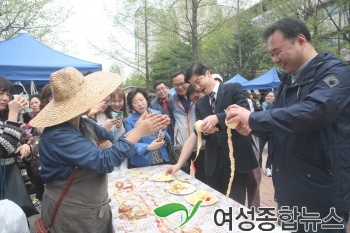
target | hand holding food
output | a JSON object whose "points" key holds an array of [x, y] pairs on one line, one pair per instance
{"points": [[171, 170], [198, 128], [236, 113], [232, 125]]}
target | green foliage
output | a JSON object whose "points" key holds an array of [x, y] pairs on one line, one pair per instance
{"points": [[235, 50], [115, 68], [38, 18], [135, 80], [169, 57]]}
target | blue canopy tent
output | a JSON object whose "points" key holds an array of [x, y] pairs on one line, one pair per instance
{"points": [[25, 59], [172, 91], [268, 80], [237, 79]]}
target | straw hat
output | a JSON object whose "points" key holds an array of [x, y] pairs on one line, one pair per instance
{"points": [[73, 94]]}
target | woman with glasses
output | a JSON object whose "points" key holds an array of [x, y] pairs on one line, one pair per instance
{"points": [[149, 150]]}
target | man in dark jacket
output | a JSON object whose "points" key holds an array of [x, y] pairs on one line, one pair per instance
{"points": [[211, 109], [310, 120]]}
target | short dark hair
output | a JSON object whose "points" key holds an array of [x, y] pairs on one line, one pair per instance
{"points": [[132, 94], [289, 27], [195, 69], [176, 74], [158, 83], [45, 95], [35, 96], [190, 90]]}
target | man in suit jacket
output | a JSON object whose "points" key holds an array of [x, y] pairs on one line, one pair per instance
{"points": [[216, 160]]}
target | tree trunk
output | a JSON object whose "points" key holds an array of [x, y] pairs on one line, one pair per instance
{"points": [[194, 31], [146, 47]]}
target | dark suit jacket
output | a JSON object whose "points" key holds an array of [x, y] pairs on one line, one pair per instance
{"points": [[244, 155]]}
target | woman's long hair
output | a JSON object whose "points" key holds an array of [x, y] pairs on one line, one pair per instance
{"points": [[121, 95]]}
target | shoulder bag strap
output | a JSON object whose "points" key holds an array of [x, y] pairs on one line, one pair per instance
{"points": [[64, 192]]}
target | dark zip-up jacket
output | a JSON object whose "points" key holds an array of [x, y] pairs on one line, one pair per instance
{"points": [[310, 120]]}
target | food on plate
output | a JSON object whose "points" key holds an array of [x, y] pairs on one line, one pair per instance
{"points": [[206, 196], [181, 187], [162, 177]]}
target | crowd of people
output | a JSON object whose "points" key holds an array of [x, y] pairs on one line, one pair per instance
{"points": [[87, 124]]}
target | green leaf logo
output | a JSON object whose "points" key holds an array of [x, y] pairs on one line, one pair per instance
{"points": [[168, 209]]}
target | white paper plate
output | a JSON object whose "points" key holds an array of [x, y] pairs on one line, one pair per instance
{"points": [[162, 177], [187, 189]]}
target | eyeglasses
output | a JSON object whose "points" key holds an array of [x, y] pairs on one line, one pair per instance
{"points": [[177, 85], [160, 89]]}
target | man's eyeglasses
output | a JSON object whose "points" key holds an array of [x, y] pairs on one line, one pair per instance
{"points": [[177, 85]]}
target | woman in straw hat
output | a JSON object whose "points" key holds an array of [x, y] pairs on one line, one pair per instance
{"points": [[69, 141]]}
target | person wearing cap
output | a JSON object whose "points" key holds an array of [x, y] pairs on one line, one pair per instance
{"points": [[218, 78], [69, 141]]}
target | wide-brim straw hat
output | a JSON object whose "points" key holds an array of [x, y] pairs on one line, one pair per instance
{"points": [[73, 94]]}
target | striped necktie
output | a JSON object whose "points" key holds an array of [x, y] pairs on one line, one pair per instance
{"points": [[212, 104]]}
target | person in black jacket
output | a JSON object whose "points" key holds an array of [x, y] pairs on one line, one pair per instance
{"points": [[311, 126]]}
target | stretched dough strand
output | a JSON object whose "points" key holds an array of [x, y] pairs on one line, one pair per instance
{"points": [[232, 160]]}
